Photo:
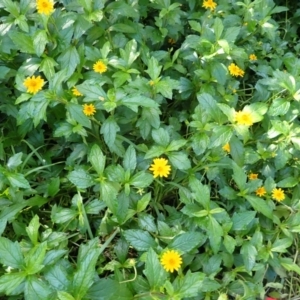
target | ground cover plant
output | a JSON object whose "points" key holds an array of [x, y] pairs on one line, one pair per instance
{"points": [[149, 149]]}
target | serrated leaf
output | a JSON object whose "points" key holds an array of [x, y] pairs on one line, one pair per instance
{"points": [[201, 192], [154, 68], [97, 159], [139, 239], [161, 136], [23, 41], [129, 160], [69, 59], [14, 161], [17, 180], [76, 113], [241, 220], [134, 102], [11, 254], [40, 41], [64, 296], [81, 179], [36, 289], [154, 271], [260, 205], [185, 242], [179, 160], [34, 259], [143, 202], [85, 274], [215, 233], [141, 179], [188, 286], [33, 229], [11, 281], [109, 130], [249, 253]]}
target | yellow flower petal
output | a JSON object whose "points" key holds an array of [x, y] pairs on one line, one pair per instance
{"points": [[33, 84], [89, 109], [160, 167], [171, 260], [278, 194], [44, 7], [100, 67]]}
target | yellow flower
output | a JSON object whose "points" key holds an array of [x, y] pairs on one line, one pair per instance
{"points": [[33, 84], [252, 176], [44, 7], [100, 67], [171, 260], [252, 57], [76, 92], [209, 4], [160, 167], [89, 109], [226, 147], [151, 82], [244, 118], [278, 194], [234, 70], [261, 191]]}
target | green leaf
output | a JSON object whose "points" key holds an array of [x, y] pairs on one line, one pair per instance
{"points": [[175, 145], [33, 229], [201, 192], [81, 179], [64, 295], [281, 245], [11, 281], [249, 253], [10, 254], [288, 182], [155, 151], [109, 130], [188, 285], [57, 276], [69, 60], [143, 202], [209, 285], [229, 243], [187, 241], [129, 160], [53, 186], [154, 68], [134, 102], [40, 41], [23, 41], [154, 271], [76, 113], [129, 54], [289, 265], [221, 136], [34, 259], [47, 67], [17, 180], [260, 205], [279, 107], [106, 288], [14, 161], [241, 220], [231, 34], [179, 160], [139, 239], [97, 159], [239, 176], [161, 137], [36, 289], [215, 233], [218, 28], [209, 105], [141, 179], [92, 90], [85, 274], [62, 215]]}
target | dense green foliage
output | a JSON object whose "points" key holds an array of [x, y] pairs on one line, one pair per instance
{"points": [[81, 214]]}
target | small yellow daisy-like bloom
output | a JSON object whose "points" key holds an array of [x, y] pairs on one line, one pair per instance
{"points": [[252, 57], [44, 7], [278, 194], [100, 67], [261, 191], [253, 176], [160, 167], [226, 147], [171, 260], [244, 118], [89, 109], [76, 92], [234, 70], [209, 4], [33, 84]]}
